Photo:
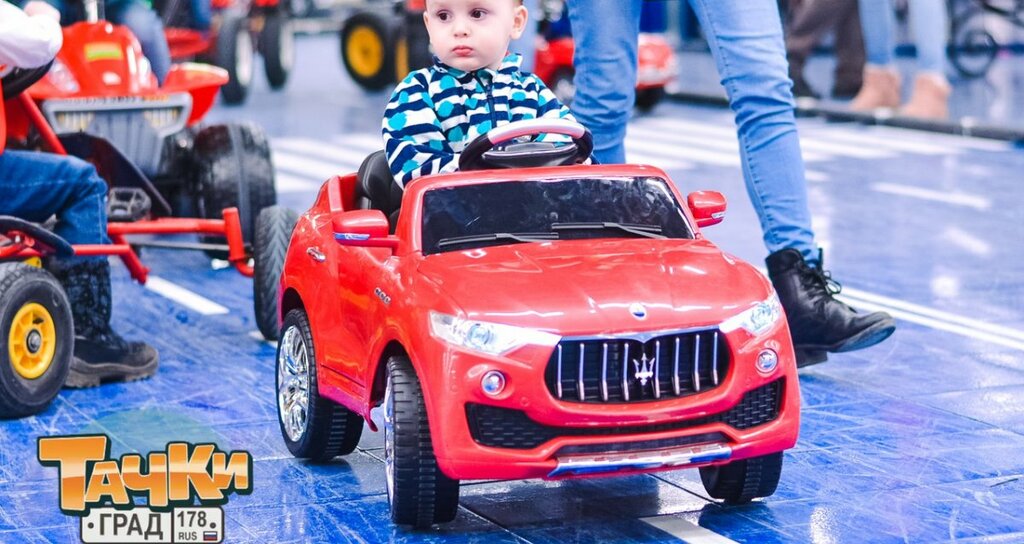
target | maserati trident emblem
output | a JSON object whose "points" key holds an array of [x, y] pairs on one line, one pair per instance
{"points": [[644, 369], [638, 310]]}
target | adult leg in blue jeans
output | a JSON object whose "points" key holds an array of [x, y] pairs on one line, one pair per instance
{"points": [[37, 186], [745, 37], [149, 29]]}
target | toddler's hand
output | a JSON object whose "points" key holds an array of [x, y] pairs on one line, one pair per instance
{"points": [[37, 7]]}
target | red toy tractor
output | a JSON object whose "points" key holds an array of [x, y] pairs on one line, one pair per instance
{"points": [[240, 30]]}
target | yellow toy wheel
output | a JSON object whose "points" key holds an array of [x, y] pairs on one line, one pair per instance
{"points": [[32, 341], [368, 50]]}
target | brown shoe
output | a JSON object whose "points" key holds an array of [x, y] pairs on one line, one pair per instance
{"points": [[930, 99], [881, 89]]}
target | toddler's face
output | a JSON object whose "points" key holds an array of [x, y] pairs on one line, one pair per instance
{"points": [[473, 34]]}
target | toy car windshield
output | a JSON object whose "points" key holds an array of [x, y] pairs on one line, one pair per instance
{"points": [[467, 216]]}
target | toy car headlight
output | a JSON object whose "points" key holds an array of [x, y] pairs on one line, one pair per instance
{"points": [[490, 338], [756, 320], [62, 78]]}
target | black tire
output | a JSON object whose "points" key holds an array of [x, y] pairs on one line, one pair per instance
{"points": [[269, 246], [235, 53], [418, 492], [974, 49], [368, 50], [234, 169], [326, 429], [37, 336], [277, 45], [563, 86], [740, 482], [646, 99]]}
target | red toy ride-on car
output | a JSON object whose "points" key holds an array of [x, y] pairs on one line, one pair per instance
{"points": [[530, 317]]}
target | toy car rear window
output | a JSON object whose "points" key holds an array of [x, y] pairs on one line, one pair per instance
{"points": [[533, 206]]}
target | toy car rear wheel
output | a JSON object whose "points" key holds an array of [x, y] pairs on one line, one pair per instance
{"points": [[277, 44], [234, 170], [312, 426], [418, 492], [740, 482], [235, 53], [269, 246], [368, 50], [38, 339]]}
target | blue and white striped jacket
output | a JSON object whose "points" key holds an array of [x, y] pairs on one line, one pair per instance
{"points": [[436, 111]]}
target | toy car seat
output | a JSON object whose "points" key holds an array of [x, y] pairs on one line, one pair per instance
{"points": [[376, 188]]}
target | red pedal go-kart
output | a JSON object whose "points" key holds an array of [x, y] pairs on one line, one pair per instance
{"points": [[240, 29], [658, 67], [98, 101], [528, 317]]}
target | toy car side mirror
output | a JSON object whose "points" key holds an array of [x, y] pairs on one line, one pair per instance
{"points": [[708, 207], [363, 228]]}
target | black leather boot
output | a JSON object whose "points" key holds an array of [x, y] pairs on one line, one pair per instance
{"points": [[818, 322], [100, 353]]}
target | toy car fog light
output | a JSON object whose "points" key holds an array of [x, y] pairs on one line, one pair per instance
{"points": [[767, 361], [493, 383]]}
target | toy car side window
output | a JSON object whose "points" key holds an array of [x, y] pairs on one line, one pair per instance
{"points": [[533, 207]]}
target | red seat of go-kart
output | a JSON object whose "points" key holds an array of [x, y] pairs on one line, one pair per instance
{"points": [[376, 188]]}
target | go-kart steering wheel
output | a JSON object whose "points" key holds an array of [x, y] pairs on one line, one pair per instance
{"points": [[19, 79], [491, 150]]}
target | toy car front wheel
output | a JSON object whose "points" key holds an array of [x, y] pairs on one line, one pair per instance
{"points": [[234, 53], [277, 44], [740, 482], [418, 492], [38, 339], [269, 246], [312, 426], [234, 170]]}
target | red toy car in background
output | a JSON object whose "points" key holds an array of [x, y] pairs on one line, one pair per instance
{"points": [[530, 319], [658, 67]]}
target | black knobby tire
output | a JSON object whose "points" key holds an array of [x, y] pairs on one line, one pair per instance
{"points": [[419, 493], [235, 53], [368, 50], [234, 169], [646, 99], [330, 429], [740, 482], [277, 45], [22, 285], [269, 246]]}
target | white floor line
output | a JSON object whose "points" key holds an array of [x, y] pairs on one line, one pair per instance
{"points": [[366, 142], [812, 142], [814, 175], [882, 142], [678, 150], [337, 153], [935, 323], [638, 157], [290, 183], [311, 168], [686, 531], [184, 297], [958, 199], [858, 296]]}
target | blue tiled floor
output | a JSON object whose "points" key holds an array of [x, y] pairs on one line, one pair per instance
{"points": [[920, 439]]}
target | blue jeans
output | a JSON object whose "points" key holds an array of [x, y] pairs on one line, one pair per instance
{"points": [[35, 186], [745, 37], [929, 22]]}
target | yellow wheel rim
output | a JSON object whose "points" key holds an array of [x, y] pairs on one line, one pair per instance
{"points": [[32, 341], [401, 59], [365, 51]]}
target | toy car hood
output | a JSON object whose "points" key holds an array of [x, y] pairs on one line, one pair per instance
{"points": [[590, 285]]}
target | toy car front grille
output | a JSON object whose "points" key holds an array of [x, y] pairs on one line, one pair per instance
{"points": [[137, 126], [635, 369], [505, 428]]}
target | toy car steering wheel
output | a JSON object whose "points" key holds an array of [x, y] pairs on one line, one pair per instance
{"points": [[19, 79], [487, 150]]}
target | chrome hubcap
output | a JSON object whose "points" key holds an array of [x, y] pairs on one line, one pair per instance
{"points": [[293, 383], [389, 438]]}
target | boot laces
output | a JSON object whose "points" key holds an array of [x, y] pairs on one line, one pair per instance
{"points": [[824, 278]]}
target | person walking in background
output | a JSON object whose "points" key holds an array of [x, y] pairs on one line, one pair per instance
{"points": [[526, 44], [745, 37], [929, 23], [809, 20]]}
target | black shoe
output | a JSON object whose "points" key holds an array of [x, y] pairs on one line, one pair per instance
{"points": [[818, 322], [110, 359], [802, 89], [845, 90]]}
